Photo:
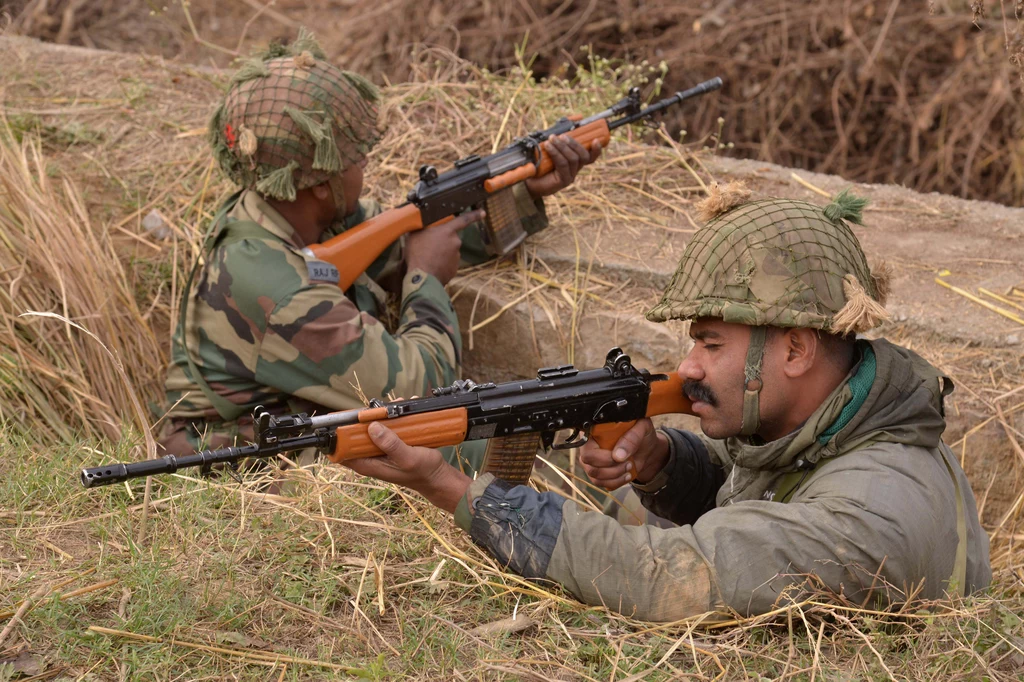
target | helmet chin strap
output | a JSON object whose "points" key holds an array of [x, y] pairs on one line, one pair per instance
{"points": [[752, 382], [338, 192]]}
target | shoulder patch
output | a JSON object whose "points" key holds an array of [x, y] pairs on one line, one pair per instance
{"points": [[322, 271]]}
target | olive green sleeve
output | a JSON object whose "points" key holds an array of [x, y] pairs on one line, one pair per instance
{"points": [[642, 572]]}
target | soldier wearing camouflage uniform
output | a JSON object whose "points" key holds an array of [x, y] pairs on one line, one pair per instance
{"points": [[821, 452], [263, 322]]}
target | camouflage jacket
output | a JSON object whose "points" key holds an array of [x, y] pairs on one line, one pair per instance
{"points": [[882, 515], [266, 324]]}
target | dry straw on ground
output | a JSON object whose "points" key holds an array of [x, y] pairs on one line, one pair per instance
{"points": [[481, 112]]}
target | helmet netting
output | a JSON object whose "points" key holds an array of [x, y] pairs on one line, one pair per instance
{"points": [[774, 262], [291, 120]]}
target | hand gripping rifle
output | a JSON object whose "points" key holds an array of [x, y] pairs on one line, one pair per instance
{"points": [[519, 415], [476, 181]]}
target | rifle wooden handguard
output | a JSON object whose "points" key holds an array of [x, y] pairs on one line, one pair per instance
{"points": [[429, 430], [596, 131]]}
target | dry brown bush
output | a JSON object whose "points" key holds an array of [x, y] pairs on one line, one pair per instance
{"points": [[879, 91]]}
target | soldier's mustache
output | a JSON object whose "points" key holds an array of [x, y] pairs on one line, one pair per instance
{"points": [[699, 392]]}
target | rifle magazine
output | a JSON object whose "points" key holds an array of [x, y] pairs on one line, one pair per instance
{"points": [[504, 225], [510, 458]]}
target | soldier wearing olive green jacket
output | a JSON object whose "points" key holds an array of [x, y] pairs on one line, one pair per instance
{"points": [[821, 453], [263, 322]]}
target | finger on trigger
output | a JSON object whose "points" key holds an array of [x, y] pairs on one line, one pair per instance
{"points": [[467, 219]]}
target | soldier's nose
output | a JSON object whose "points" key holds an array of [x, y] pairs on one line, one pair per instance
{"points": [[689, 370]]}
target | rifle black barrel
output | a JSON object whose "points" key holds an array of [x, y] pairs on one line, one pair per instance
{"points": [[116, 473], [695, 91]]}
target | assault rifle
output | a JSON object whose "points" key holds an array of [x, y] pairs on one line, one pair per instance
{"points": [[519, 415], [487, 181]]}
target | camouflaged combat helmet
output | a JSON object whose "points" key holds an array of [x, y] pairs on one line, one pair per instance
{"points": [[775, 262], [291, 120]]}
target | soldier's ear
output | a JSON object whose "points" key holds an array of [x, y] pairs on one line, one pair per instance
{"points": [[798, 348], [321, 192]]}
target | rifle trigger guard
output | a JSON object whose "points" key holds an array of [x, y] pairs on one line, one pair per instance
{"points": [[572, 442]]}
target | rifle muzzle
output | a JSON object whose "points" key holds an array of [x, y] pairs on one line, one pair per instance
{"points": [[118, 473]]}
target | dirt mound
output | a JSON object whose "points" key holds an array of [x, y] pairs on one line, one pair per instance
{"points": [[887, 92]]}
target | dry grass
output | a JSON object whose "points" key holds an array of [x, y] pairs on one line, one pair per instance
{"points": [[924, 95], [54, 260], [158, 164], [343, 574]]}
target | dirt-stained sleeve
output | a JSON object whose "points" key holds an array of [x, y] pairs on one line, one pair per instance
{"points": [[748, 555], [643, 572]]}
